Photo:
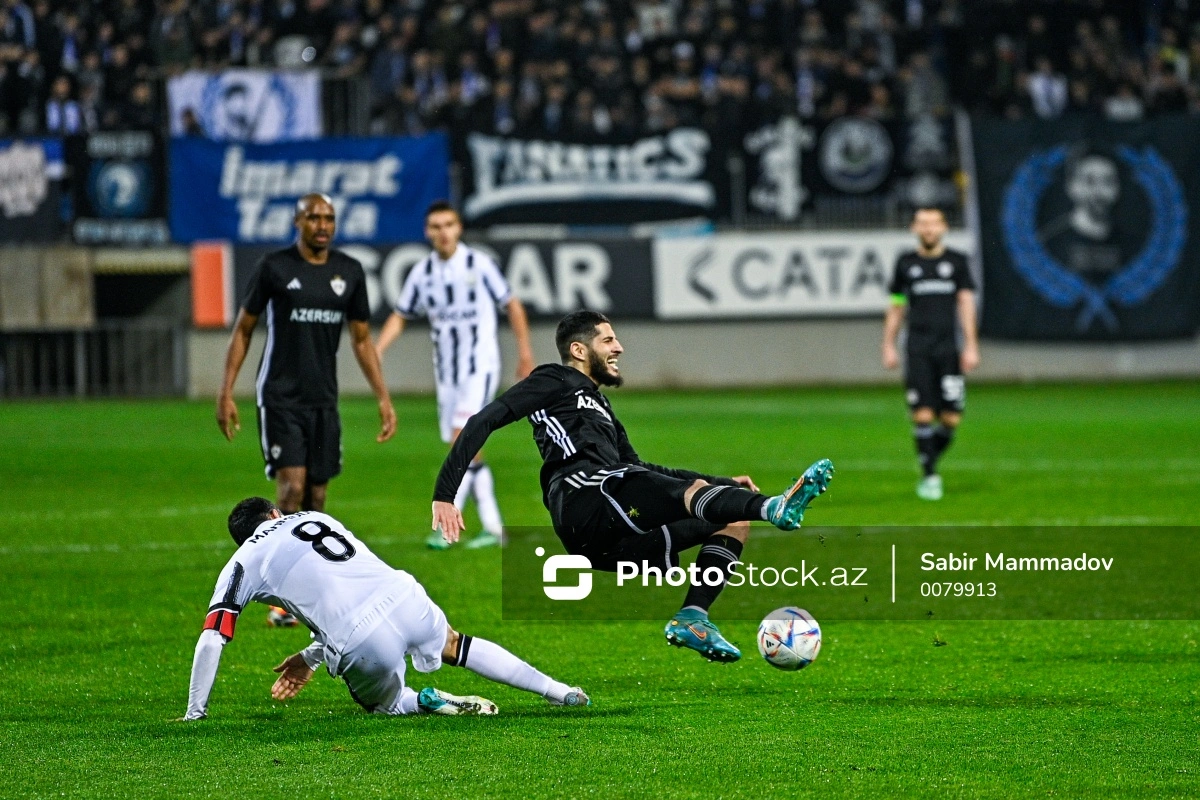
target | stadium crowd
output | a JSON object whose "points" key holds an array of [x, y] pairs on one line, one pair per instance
{"points": [[600, 68]]}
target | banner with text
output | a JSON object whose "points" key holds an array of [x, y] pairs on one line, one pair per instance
{"points": [[551, 278], [1090, 229], [31, 172], [246, 105], [669, 176], [119, 188], [247, 193], [779, 275]]}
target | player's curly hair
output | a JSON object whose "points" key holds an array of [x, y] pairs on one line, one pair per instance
{"points": [[578, 326], [247, 516]]}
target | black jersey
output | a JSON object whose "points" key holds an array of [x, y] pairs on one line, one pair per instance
{"points": [[931, 286], [305, 305], [574, 427]]}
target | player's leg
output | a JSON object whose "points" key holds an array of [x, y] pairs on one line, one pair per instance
{"points": [[283, 440], [952, 400], [324, 455], [923, 396], [497, 664]]}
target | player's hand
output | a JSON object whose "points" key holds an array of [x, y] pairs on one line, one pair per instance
{"points": [[891, 359], [447, 519], [969, 359], [745, 482], [524, 366], [387, 418], [294, 674], [227, 416]]}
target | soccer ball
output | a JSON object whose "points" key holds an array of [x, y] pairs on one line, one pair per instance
{"points": [[789, 638]]}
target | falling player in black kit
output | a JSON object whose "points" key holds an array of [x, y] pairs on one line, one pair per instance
{"points": [[306, 292], [934, 283], [608, 504]]}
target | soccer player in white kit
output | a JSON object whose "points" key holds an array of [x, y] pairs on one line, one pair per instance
{"points": [[364, 615], [459, 289]]}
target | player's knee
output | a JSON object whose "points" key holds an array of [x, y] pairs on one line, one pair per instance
{"points": [[690, 492], [922, 416], [450, 651], [950, 419]]}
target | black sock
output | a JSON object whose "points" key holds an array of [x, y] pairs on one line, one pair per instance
{"points": [[460, 653], [943, 437], [926, 447], [725, 504], [720, 552]]}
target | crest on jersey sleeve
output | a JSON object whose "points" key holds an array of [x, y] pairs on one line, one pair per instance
{"points": [[338, 285]]}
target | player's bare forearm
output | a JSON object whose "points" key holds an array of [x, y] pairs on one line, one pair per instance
{"points": [[966, 318], [368, 361], [392, 328], [892, 320], [235, 356], [520, 325]]}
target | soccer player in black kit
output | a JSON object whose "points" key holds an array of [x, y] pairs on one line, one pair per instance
{"points": [[306, 292], [608, 504], [934, 284]]}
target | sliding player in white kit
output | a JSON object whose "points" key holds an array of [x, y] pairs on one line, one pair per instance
{"points": [[459, 289], [364, 615]]}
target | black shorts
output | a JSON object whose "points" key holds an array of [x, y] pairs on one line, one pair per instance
{"points": [[625, 513], [302, 437], [933, 377]]}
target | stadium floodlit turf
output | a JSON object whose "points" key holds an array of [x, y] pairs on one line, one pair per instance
{"points": [[114, 535]]}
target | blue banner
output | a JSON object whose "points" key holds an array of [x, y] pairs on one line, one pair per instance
{"points": [[247, 193], [1089, 228]]}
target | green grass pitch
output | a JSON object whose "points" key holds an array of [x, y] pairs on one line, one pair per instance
{"points": [[114, 534]]}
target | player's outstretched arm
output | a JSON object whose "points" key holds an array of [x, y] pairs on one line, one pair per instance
{"points": [[368, 361], [235, 355], [470, 441], [204, 672], [520, 325]]}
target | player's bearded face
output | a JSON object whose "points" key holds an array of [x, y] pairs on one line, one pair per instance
{"points": [[603, 354]]}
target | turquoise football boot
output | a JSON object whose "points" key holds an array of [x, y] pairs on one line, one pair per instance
{"points": [[692, 629], [786, 511]]}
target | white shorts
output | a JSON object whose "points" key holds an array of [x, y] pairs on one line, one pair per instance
{"points": [[458, 403], [373, 668]]}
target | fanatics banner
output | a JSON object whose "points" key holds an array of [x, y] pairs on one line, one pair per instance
{"points": [[31, 172], [247, 193], [246, 105], [793, 275], [551, 277], [1089, 228], [669, 176]]}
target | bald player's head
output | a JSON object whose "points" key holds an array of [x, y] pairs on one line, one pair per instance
{"points": [[315, 221]]}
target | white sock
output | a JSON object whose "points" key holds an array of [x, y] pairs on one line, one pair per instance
{"points": [[464, 489], [497, 664], [407, 703], [485, 501]]}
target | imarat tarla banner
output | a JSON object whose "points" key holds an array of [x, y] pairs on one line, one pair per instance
{"points": [[784, 275], [1089, 228]]}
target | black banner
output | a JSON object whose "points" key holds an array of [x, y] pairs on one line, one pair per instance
{"points": [[551, 277], [31, 172], [1089, 228], [674, 175], [119, 188], [792, 166]]}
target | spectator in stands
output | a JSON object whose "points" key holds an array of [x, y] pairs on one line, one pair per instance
{"points": [[63, 116], [1047, 90]]}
